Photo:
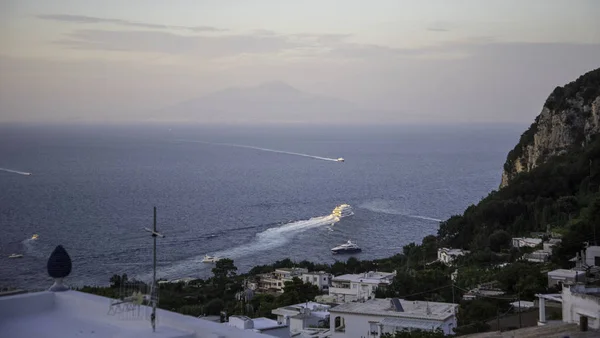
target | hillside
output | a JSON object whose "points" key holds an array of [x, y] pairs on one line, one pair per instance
{"points": [[570, 116], [551, 179]]}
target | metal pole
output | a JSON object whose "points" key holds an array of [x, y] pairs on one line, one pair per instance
{"points": [[153, 317], [519, 300]]}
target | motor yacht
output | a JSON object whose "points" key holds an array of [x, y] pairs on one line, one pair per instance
{"points": [[347, 247], [342, 210], [15, 256], [210, 259], [34, 237]]}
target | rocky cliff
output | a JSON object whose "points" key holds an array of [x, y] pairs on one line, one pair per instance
{"points": [[570, 116]]}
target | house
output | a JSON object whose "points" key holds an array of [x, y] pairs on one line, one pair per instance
{"points": [[317, 310], [275, 281], [522, 305], [353, 287], [563, 276], [589, 257], [374, 317], [580, 305], [262, 325], [520, 242], [321, 279], [448, 255]]}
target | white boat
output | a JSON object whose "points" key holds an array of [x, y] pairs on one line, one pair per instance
{"points": [[340, 159], [34, 237], [347, 247], [210, 259], [15, 256], [342, 211]]}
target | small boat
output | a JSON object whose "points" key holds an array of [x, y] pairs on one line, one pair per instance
{"points": [[15, 256], [210, 259], [347, 247], [34, 237]]}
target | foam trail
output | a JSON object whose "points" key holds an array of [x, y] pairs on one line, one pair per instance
{"points": [[266, 240], [264, 149], [15, 171], [383, 207]]}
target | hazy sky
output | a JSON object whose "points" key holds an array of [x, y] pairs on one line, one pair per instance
{"points": [[461, 60]]}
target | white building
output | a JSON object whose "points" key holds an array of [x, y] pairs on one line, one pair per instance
{"points": [[262, 325], [308, 318], [563, 276], [589, 257], [317, 310], [321, 279], [352, 287], [521, 242], [77, 314], [578, 301], [374, 317], [275, 281], [448, 255]]}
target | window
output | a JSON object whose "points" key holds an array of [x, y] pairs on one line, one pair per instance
{"points": [[597, 261], [374, 330], [339, 324], [315, 279]]}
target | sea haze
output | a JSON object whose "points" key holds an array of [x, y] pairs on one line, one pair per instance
{"points": [[92, 190]]}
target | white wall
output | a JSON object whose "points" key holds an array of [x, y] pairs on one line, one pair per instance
{"points": [[358, 326], [575, 305], [590, 254]]}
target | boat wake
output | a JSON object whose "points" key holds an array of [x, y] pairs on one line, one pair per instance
{"points": [[31, 249], [386, 207], [266, 240], [265, 149], [15, 171]]}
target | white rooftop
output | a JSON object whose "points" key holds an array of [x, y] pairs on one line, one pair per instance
{"points": [[564, 273], [316, 309], [75, 314], [454, 252], [367, 277], [411, 309]]}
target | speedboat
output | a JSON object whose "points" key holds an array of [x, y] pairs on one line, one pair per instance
{"points": [[342, 211], [15, 256], [210, 259], [340, 159], [347, 247], [34, 237]]}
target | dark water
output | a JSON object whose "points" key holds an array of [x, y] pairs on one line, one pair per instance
{"points": [[92, 190]]}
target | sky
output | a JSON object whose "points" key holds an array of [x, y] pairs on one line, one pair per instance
{"points": [[423, 60]]}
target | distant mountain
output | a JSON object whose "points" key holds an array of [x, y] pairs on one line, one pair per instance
{"points": [[272, 102]]}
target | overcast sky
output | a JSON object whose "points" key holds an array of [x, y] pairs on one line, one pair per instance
{"points": [[452, 61]]}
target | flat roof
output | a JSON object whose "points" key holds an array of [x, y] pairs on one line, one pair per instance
{"points": [[412, 309], [373, 278], [317, 309], [71, 314], [263, 323], [565, 273]]}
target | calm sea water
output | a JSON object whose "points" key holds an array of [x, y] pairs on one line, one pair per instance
{"points": [[92, 189]]}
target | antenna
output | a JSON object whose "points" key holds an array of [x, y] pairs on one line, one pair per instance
{"points": [[154, 285]]}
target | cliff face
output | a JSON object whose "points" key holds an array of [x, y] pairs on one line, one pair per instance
{"points": [[570, 116]]}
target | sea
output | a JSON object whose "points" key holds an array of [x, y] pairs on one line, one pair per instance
{"points": [[255, 194]]}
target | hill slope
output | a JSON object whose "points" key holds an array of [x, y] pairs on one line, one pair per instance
{"points": [[551, 178], [569, 117]]}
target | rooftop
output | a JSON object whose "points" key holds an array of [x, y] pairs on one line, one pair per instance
{"points": [[75, 314], [261, 323], [368, 277], [316, 309], [454, 252], [411, 309], [564, 273]]}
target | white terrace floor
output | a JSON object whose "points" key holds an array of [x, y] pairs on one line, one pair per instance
{"points": [[75, 314]]}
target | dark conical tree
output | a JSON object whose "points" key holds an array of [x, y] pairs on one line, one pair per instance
{"points": [[59, 263]]}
